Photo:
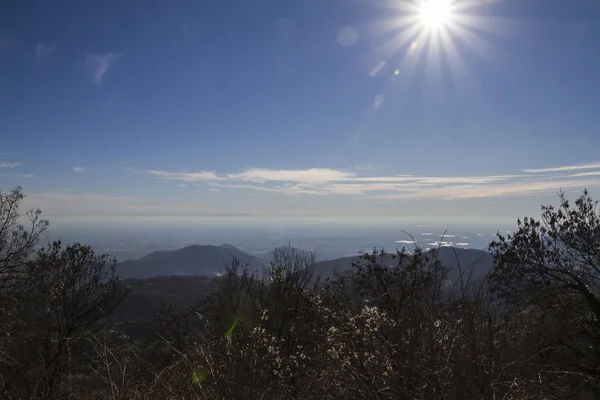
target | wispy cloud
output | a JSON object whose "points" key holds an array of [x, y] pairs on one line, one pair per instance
{"points": [[282, 175], [582, 174], [521, 188], [99, 64], [327, 181], [594, 165], [9, 164], [186, 176], [44, 50], [78, 169], [13, 175]]}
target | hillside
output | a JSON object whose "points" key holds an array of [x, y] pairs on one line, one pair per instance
{"points": [[191, 260], [479, 261], [319, 255], [147, 297]]}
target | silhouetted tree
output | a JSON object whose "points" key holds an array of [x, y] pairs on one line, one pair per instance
{"points": [[550, 269], [17, 244], [52, 303]]}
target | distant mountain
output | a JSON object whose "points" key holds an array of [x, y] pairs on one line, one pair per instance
{"points": [[190, 260], [478, 261], [211, 260], [329, 268], [319, 256]]}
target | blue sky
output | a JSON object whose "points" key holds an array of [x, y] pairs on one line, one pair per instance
{"points": [[305, 108]]}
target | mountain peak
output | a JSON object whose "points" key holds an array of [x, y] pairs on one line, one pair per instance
{"points": [[229, 246], [194, 259]]}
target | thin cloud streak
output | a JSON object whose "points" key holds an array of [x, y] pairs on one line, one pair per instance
{"points": [[564, 168], [582, 174], [186, 176], [78, 169], [9, 165], [12, 175], [436, 180], [307, 175], [487, 191], [326, 181]]}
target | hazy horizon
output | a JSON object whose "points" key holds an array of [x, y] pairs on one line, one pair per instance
{"points": [[133, 237]]}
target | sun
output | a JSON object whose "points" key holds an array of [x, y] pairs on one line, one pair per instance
{"points": [[428, 39], [435, 14]]}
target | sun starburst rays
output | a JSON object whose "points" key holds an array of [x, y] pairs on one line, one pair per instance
{"points": [[435, 34]]}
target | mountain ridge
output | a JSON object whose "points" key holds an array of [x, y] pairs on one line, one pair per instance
{"points": [[210, 260], [319, 255]]}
